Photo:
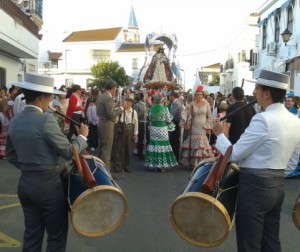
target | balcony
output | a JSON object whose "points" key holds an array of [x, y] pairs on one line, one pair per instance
{"points": [[229, 65], [19, 36], [19, 16], [253, 61]]}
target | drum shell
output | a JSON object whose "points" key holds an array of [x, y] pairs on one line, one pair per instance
{"points": [[218, 207], [77, 186], [100, 210]]}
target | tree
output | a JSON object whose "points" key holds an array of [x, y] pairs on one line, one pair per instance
{"points": [[104, 71], [215, 80]]}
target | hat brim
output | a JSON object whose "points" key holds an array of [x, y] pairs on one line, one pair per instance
{"points": [[59, 92], [269, 83], [34, 87]]}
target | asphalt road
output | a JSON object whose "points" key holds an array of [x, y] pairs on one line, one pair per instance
{"points": [[147, 228]]}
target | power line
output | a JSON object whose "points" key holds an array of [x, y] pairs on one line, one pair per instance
{"points": [[198, 53]]}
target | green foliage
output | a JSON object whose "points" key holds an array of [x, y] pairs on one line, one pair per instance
{"points": [[104, 71], [215, 80]]}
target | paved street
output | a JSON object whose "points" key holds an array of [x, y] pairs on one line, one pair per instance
{"points": [[147, 228]]}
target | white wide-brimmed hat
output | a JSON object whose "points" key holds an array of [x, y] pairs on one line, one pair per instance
{"points": [[272, 79], [35, 82]]}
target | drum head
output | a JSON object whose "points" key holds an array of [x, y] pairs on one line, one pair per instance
{"points": [[99, 211], [296, 214], [200, 219]]}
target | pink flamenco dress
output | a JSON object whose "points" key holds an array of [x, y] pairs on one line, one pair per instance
{"points": [[3, 134], [196, 146]]}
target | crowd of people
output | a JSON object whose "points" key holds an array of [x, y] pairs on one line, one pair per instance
{"points": [[162, 129]]}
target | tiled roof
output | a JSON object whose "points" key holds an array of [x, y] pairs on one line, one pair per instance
{"points": [[94, 35], [132, 47], [216, 65]]}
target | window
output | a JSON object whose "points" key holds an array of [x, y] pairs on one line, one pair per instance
{"points": [[2, 77], [290, 19], [277, 28], [54, 63], [69, 83], [101, 55], [134, 63], [264, 36], [31, 68]]}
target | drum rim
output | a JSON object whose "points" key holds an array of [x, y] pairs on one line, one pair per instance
{"points": [[210, 199], [88, 156], [108, 230], [295, 220]]}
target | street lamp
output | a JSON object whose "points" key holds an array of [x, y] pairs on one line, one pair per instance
{"points": [[286, 35]]}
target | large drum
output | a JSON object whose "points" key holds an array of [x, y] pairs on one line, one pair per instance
{"points": [[296, 211], [205, 219], [99, 210]]}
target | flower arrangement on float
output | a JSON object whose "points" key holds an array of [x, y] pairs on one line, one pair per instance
{"points": [[161, 85]]}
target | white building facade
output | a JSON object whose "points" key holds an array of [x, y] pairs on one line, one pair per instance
{"points": [[19, 40], [83, 49], [238, 58], [261, 46], [277, 17]]}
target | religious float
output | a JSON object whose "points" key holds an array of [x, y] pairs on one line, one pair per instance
{"points": [[160, 70]]}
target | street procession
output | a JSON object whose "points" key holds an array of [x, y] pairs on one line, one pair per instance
{"points": [[113, 144]]}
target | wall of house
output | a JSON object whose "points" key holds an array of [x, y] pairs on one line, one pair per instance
{"points": [[282, 54], [237, 55], [18, 46]]}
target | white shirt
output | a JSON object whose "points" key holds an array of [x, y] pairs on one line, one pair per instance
{"points": [[269, 142], [129, 119], [19, 104]]}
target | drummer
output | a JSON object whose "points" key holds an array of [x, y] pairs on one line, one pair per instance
{"points": [[34, 144], [263, 152]]}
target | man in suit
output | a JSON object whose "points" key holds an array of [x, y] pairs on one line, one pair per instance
{"points": [[141, 108], [35, 150], [107, 113], [263, 151], [175, 111]]}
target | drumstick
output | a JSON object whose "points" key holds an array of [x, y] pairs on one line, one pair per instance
{"points": [[238, 109], [88, 176], [77, 160], [58, 112]]}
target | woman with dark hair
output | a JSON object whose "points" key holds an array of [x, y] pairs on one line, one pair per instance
{"points": [[196, 147], [75, 110], [93, 119]]}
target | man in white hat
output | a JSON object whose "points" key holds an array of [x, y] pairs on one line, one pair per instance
{"points": [[263, 152], [34, 145]]}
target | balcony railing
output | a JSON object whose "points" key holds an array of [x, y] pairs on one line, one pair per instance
{"points": [[14, 11]]}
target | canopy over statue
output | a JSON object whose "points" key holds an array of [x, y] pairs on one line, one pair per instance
{"points": [[160, 67]]}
